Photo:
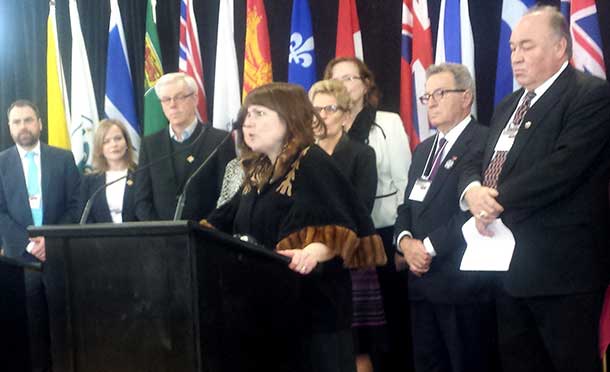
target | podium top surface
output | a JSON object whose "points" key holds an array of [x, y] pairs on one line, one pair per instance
{"points": [[115, 229]]}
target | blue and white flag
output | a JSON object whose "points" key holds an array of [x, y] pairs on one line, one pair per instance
{"points": [[512, 11], [302, 59], [454, 42], [119, 101]]}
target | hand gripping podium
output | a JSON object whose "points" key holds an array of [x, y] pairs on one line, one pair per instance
{"points": [[167, 296]]}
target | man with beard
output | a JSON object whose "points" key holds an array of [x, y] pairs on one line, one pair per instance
{"points": [[38, 185]]}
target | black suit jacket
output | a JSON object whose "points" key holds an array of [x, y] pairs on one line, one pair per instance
{"points": [[60, 181], [440, 218], [357, 162], [99, 209], [157, 189], [553, 187]]}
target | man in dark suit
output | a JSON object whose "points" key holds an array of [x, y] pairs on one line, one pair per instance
{"points": [[451, 310], [158, 187], [544, 172], [38, 185]]}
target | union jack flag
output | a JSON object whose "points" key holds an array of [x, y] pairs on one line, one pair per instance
{"points": [[587, 41], [415, 58], [189, 60]]}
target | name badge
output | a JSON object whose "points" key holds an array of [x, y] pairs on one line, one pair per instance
{"points": [[506, 140], [420, 189], [35, 202]]}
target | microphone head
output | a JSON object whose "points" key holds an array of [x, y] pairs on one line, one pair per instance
{"points": [[236, 125]]}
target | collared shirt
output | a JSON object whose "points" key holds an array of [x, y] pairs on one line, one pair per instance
{"points": [[186, 134], [25, 162], [539, 92], [453, 134], [451, 137]]}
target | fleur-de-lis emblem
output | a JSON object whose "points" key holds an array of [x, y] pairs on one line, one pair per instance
{"points": [[299, 50]]}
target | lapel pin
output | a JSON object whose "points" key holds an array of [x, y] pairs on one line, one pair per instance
{"points": [[129, 182], [528, 124], [190, 158], [449, 163]]}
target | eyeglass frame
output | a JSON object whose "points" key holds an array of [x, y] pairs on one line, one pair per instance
{"points": [[177, 98], [440, 93], [329, 109]]}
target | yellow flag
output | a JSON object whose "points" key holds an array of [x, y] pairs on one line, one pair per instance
{"points": [[56, 112]]}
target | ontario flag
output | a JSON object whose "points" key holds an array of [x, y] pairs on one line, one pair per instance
{"points": [[189, 60], [257, 54], [586, 37], [349, 37], [415, 58]]}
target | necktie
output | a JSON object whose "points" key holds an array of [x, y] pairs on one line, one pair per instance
{"points": [[497, 162], [438, 156], [33, 185]]}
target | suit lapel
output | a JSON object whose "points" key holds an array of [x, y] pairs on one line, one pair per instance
{"points": [[448, 165], [16, 183], [496, 131], [165, 147], [45, 179], [535, 115], [129, 187], [102, 201]]}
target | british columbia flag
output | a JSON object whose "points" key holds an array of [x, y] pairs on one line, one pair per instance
{"points": [[586, 37], [189, 60], [415, 58]]}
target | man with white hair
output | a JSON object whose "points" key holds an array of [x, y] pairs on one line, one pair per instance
{"points": [[191, 142], [544, 172]]}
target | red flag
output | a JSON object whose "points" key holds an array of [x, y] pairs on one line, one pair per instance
{"points": [[349, 37], [190, 54], [416, 57], [257, 55]]}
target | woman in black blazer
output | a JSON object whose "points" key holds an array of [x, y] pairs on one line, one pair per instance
{"points": [[113, 158], [356, 161]]}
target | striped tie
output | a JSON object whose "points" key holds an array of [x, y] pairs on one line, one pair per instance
{"points": [[495, 165]]}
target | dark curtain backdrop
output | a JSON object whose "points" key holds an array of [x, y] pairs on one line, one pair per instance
{"points": [[23, 43]]}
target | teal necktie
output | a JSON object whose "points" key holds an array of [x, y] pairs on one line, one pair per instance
{"points": [[33, 184]]}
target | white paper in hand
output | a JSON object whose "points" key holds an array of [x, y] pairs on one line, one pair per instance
{"points": [[485, 253]]}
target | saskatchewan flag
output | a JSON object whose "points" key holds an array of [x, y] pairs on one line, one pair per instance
{"points": [[154, 119]]}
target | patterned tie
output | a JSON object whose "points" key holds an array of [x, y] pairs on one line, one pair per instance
{"points": [[438, 156], [33, 185], [497, 162]]}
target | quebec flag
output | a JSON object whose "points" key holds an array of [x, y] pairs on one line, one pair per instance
{"points": [[301, 58], [512, 11]]}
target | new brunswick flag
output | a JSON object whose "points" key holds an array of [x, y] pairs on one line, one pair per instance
{"points": [[257, 55]]}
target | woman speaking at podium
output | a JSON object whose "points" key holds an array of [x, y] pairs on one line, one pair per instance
{"points": [[113, 158], [295, 200]]}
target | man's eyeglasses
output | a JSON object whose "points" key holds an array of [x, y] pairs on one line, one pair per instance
{"points": [[329, 109], [177, 99], [438, 94]]}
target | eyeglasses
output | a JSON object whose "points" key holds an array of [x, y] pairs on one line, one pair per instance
{"points": [[348, 78], [177, 99], [329, 109], [438, 94]]}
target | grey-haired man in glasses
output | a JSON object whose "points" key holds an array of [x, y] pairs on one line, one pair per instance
{"points": [[451, 311], [191, 142]]}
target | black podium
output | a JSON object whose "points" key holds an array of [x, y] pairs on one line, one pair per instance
{"points": [[14, 342], [167, 296]]}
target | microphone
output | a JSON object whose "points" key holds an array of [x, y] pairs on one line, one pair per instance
{"points": [[87, 209], [182, 198]]}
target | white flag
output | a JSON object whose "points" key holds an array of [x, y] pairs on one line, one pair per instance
{"points": [[226, 77], [83, 107]]}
